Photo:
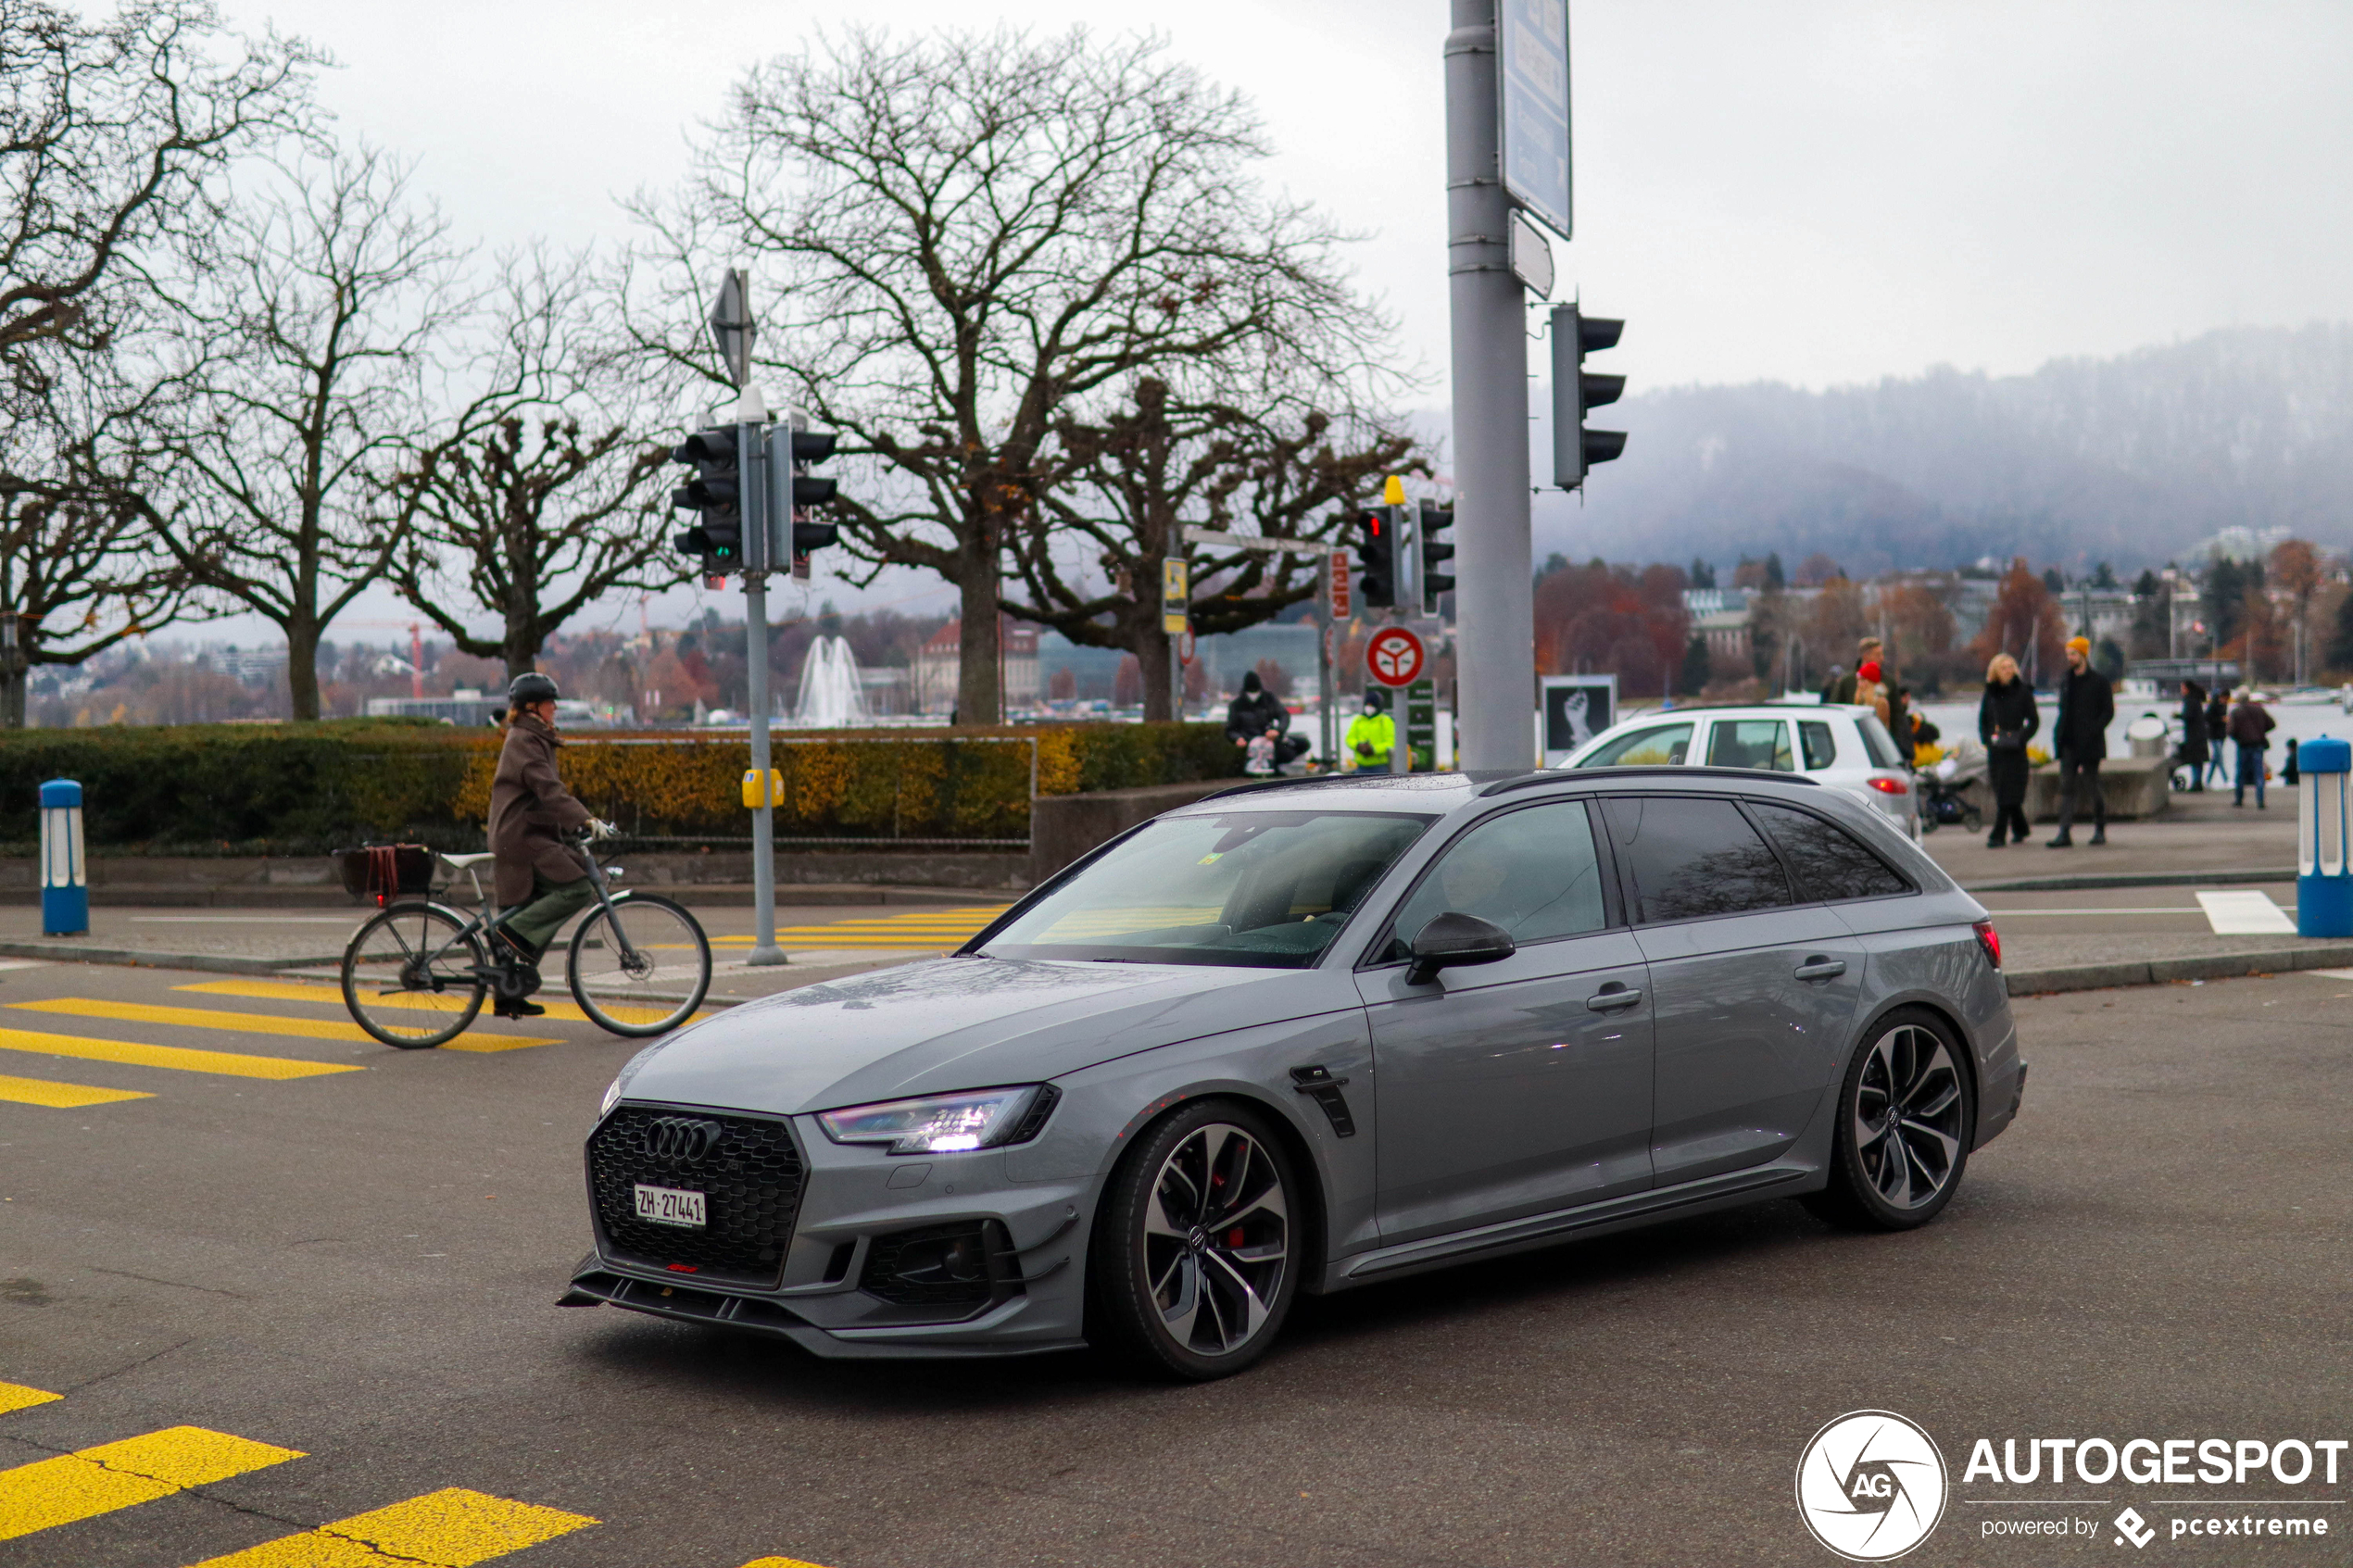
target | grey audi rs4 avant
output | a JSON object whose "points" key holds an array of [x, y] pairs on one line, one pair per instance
{"points": [[1315, 1033]]}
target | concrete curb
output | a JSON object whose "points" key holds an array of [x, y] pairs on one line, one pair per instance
{"points": [[2089, 880], [140, 958], [2166, 971]]}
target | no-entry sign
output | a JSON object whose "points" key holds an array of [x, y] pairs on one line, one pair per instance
{"points": [[1393, 657]]}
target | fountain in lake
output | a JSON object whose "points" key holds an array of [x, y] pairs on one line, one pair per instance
{"points": [[831, 694]]}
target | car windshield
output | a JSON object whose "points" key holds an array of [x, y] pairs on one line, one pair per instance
{"points": [[1264, 890]]}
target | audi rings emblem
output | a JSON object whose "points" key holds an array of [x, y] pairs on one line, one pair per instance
{"points": [[684, 1139]]}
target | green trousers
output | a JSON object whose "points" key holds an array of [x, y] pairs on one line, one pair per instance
{"points": [[552, 903]]}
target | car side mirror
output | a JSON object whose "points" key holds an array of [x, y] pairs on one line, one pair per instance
{"points": [[1457, 938]]}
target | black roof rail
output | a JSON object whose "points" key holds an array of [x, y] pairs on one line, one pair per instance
{"points": [[1254, 785], [1677, 770]]}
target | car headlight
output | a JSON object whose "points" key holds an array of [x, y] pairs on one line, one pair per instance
{"points": [[613, 1096], [945, 1123]]}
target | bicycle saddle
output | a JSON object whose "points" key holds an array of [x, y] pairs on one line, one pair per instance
{"points": [[461, 862]]}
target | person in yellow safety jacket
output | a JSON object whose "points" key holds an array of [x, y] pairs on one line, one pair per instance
{"points": [[1371, 734]]}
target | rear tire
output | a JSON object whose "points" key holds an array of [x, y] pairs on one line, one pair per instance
{"points": [[1196, 1249], [1906, 1115], [412, 977]]}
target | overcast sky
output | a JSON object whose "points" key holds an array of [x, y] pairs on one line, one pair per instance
{"points": [[1807, 191]]}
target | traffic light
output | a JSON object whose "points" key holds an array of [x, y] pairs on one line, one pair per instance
{"points": [[793, 490], [1377, 555], [1436, 551], [715, 494], [1576, 392]]}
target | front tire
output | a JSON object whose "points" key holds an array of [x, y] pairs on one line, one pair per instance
{"points": [[640, 967], [1906, 1115], [1197, 1255]]}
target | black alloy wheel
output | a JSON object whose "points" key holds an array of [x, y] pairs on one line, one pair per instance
{"points": [[1195, 1258], [1907, 1114]]}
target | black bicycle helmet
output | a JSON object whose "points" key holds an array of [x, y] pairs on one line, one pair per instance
{"points": [[531, 687]]}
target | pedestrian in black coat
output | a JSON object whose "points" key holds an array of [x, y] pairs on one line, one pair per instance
{"points": [[2194, 731], [2218, 726], [2079, 741], [2007, 720]]}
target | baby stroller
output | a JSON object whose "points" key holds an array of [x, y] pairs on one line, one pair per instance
{"points": [[1943, 803]]}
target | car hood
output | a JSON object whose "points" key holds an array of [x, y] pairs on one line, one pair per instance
{"points": [[961, 1024]]}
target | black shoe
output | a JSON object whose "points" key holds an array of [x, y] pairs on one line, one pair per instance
{"points": [[1995, 842], [2061, 842], [2100, 835], [518, 1007]]}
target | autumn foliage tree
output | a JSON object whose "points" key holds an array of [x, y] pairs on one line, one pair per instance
{"points": [[2025, 623], [1623, 620]]}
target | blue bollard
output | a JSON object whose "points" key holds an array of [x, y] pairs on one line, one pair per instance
{"points": [[2323, 881], [65, 875]]}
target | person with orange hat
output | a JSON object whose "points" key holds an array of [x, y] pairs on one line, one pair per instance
{"points": [[2087, 703]]}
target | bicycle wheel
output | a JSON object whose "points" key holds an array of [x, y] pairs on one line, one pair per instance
{"points": [[640, 967], [412, 977]]}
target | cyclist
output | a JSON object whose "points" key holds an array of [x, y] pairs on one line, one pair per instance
{"points": [[530, 812]]}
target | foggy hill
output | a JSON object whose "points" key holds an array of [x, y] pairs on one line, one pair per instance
{"points": [[2130, 459]]}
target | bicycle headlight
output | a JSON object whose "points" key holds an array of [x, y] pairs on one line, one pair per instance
{"points": [[945, 1123]]}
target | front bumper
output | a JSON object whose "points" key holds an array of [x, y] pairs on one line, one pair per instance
{"points": [[856, 1208]]}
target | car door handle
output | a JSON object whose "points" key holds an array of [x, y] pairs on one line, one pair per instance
{"points": [[1821, 969], [1610, 1000]]}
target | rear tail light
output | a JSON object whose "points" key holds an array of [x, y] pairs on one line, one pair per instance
{"points": [[1888, 783], [1991, 940]]}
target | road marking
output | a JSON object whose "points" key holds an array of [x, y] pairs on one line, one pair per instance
{"points": [[780, 1563], [251, 1022], [24, 963], [2245, 915], [455, 1528], [18, 1397], [92, 1481], [178, 1058], [60, 1096], [287, 991]]}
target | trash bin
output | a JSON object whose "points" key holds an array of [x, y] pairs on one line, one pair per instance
{"points": [[2323, 882], [2147, 735], [65, 875]]}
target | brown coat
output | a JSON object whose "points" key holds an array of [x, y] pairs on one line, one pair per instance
{"points": [[529, 808]]}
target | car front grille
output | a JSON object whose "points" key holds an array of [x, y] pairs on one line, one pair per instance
{"points": [[746, 1168]]}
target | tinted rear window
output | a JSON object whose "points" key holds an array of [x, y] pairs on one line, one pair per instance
{"points": [[1827, 862], [1690, 858], [1820, 749], [1749, 743], [1878, 742]]}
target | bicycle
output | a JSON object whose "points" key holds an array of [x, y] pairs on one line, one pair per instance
{"points": [[416, 974]]}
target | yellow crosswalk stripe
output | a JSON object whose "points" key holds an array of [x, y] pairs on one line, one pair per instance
{"points": [[18, 1397], [289, 991], [89, 1482], [61, 1097], [780, 1563], [455, 1528], [252, 1023], [178, 1058]]}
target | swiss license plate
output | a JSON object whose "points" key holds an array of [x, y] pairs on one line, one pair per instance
{"points": [[670, 1206]]}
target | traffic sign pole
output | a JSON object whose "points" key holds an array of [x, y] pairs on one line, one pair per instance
{"points": [[1494, 594], [1396, 657]]}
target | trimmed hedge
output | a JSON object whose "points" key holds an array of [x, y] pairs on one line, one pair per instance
{"points": [[301, 789]]}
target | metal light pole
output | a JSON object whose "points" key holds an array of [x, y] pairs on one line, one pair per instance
{"points": [[1495, 612], [732, 329]]}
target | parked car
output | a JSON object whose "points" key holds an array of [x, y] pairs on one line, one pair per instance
{"points": [[1309, 1034], [1844, 748]]}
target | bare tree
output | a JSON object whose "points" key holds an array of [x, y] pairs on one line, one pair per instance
{"points": [[533, 498], [1091, 565], [979, 236], [299, 384], [108, 132]]}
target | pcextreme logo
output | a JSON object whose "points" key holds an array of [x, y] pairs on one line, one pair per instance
{"points": [[1871, 1485]]}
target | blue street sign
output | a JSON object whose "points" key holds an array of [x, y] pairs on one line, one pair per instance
{"points": [[1532, 45]]}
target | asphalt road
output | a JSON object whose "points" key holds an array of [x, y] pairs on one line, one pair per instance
{"points": [[349, 1277]]}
